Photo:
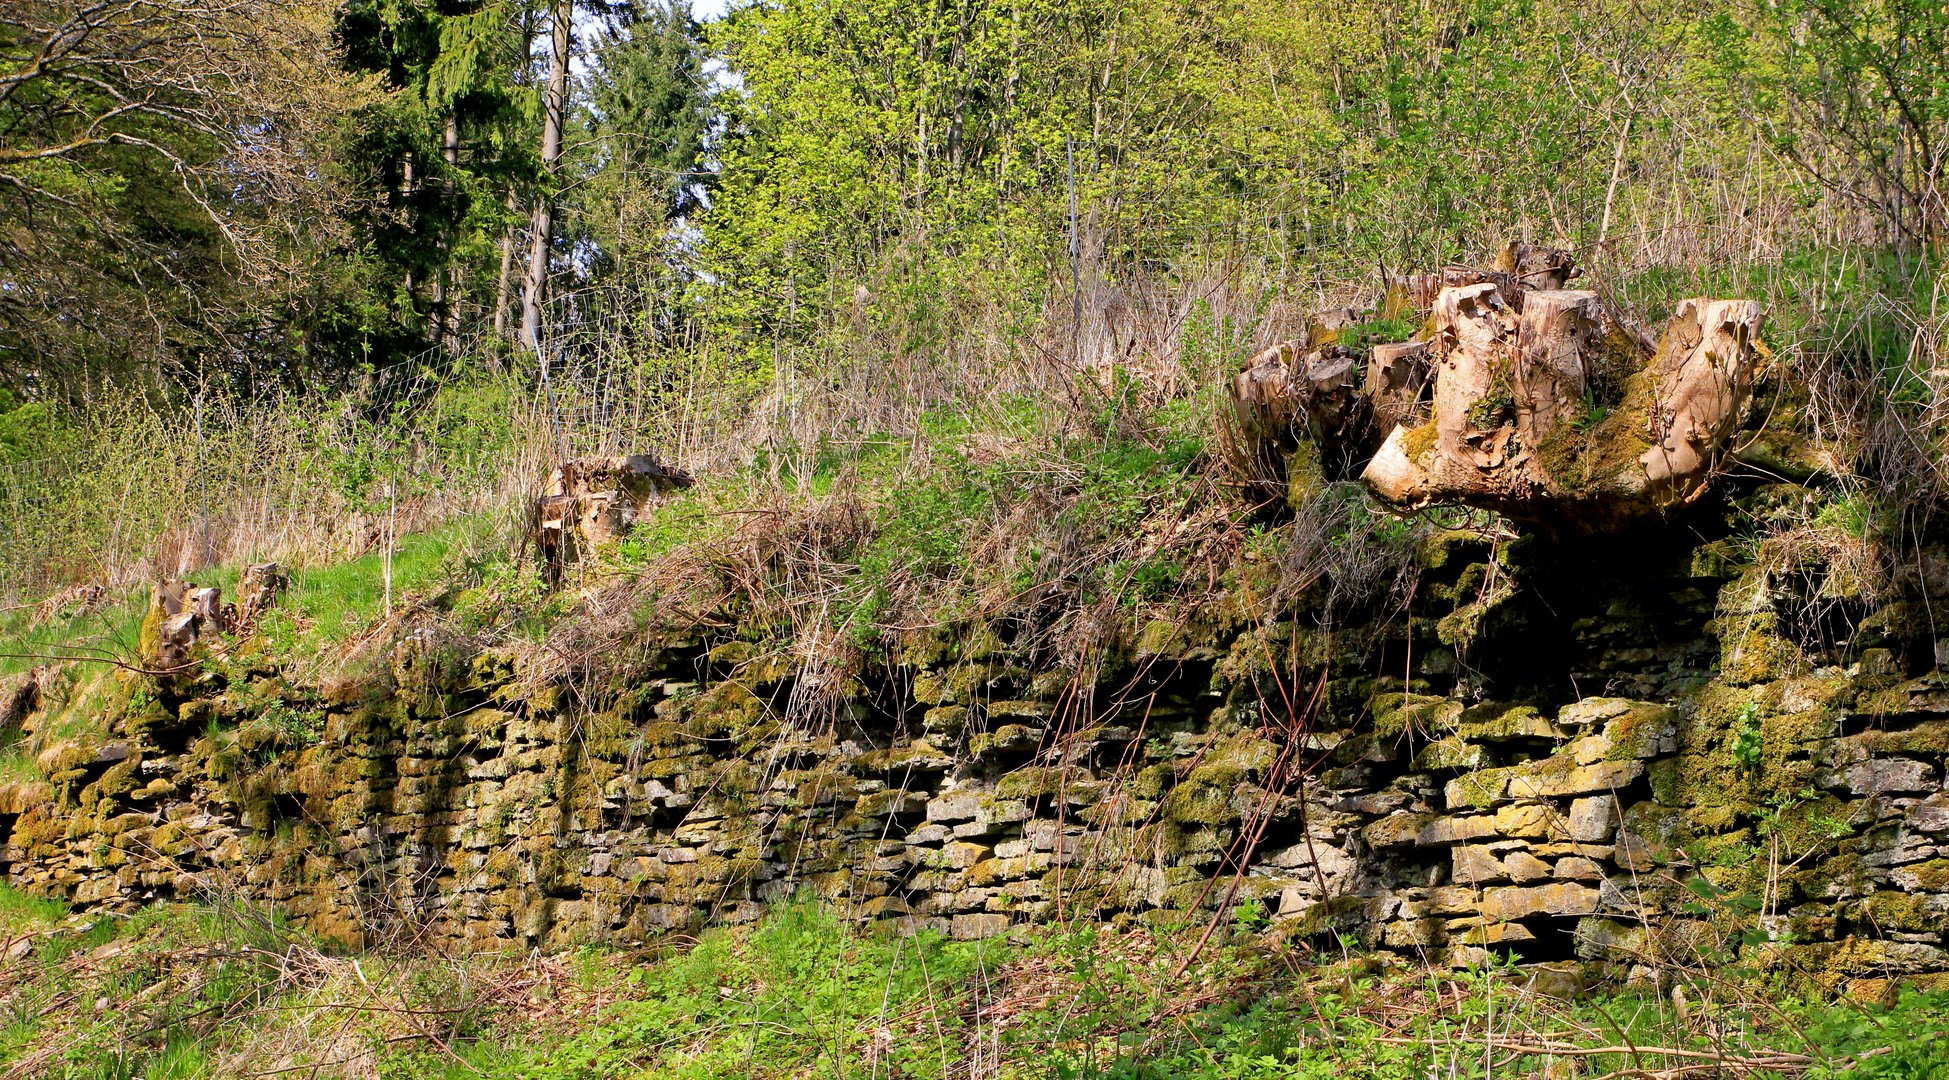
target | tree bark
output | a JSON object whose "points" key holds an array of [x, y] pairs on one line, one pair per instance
{"points": [[504, 285], [446, 305], [1705, 369], [554, 101], [1514, 428], [1397, 382]]}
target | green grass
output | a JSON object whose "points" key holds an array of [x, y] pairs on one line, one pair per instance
{"points": [[326, 603], [806, 994], [112, 630], [325, 606], [329, 603], [24, 914]]}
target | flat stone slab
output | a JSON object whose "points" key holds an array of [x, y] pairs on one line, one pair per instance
{"points": [[1550, 778], [1508, 902]]}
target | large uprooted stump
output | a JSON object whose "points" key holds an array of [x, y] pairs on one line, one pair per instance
{"points": [[1536, 402], [1557, 407], [595, 501]]}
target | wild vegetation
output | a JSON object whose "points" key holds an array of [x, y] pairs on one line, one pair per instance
{"points": [[226, 991]]}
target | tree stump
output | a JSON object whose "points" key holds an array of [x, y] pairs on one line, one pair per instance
{"points": [[595, 501], [1287, 391], [260, 587], [1519, 396], [1397, 383], [1705, 369], [1518, 429], [181, 617], [1542, 268]]}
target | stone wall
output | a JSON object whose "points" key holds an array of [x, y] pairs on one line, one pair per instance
{"points": [[1564, 754]]}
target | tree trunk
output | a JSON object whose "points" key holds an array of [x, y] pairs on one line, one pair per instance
{"points": [[1397, 383], [1555, 340], [554, 100], [406, 198], [446, 303], [1521, 427], [1705, 369], [504, 285]]}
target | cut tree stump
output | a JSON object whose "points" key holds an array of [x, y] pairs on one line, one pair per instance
{"points": [[1519, 396], [1398, 381], [1705, 369], [1289, 390], [181, 617], [595, 501], [1517, 429]]}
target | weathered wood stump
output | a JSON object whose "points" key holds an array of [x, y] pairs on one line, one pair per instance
{"points": [[1399, 377], [1705, 370], [19, 697], [1517, 427], [262, 584], [1519, 396], [181, 617], [184, 616], [1288, 392], [1544, 268], [595, 501]]}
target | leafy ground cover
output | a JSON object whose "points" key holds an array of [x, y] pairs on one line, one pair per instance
{"points": [[221, 990]]}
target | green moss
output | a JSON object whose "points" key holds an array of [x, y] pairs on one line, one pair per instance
{"points": [[946, 720], [1477, 790], [1396, 713], [1494, 408], [149, 637], [1160, 637], [980, 642], [1152, 781], [1204, 797], [1441, 546], [1496, 722], [1334, 914], [920, 755], [1931, 876], [926, 647], [1305, 478], [1558, 453], [1419, 442], [1462, 626], [120, 779], [1752, 646], [1719, 559], [1927, 738], [726, 709], [1032, 782], [1243, 752], [1668, 779], [931, 688], [1004, 739], [1638, 732], [1450, 753]]}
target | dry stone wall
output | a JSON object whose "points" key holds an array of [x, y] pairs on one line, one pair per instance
{"points": [[1610, 767]]}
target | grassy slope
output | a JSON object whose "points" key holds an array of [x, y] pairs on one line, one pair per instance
{"points": [[327, 607], [224, 991]]}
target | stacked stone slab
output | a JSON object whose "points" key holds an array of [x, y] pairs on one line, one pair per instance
{"points": [[459, 811]]}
